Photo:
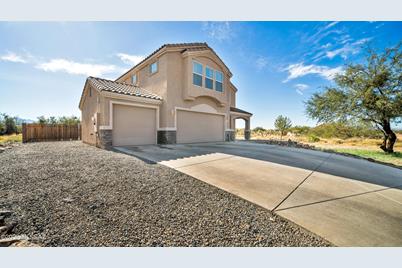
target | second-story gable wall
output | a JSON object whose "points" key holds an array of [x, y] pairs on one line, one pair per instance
{"points": [[183, 94], [155, 82], [206, 58], [174, 83]]}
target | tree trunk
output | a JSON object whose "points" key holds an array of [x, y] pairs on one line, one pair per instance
{"points": [[384, 143], [389, 138]]}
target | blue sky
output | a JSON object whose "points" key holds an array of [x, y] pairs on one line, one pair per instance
{"points": [[276, 65]]}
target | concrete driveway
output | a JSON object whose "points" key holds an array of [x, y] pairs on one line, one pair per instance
{"points": [[349, 202]]}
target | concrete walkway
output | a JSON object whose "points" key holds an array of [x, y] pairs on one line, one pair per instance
{"points": [[349, 202]]}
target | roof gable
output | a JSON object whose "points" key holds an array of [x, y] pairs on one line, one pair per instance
{"points": [[191, 47], [101, 84]]}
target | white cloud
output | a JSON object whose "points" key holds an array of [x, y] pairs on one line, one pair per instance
{"points": [[348, 49], [130, 59], [300, 88], [218, 30], [299, 69], [261, 62], [12, 57], [332, 24], [71, 67]]}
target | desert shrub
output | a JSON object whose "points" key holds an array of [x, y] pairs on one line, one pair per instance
{"points": [[66, 120], [345, 131], [259, 131], [69, 120], [2, 127], [300, 130], [239, 131], [9, 125], [313, 138]]}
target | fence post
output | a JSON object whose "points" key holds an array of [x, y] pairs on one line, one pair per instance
{"points": [[24, 132]]}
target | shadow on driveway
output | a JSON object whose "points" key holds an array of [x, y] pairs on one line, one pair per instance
{"points": [[333, 164]]}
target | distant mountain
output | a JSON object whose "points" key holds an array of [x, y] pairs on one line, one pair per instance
{"points": [[19, 121]]}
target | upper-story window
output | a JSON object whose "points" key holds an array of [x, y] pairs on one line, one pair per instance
{"points": [[134, 79], [218, 81], [213, 79], [197, 74], [209, 78], [153, 68]]}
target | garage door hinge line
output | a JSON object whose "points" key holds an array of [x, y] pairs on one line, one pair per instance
{"points": [[308, 176]]}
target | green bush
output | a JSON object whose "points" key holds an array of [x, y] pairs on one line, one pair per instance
{"points": [[66, 120], [345, 131], [300, 130], [313, 138], [2, 127], [10, 127]]}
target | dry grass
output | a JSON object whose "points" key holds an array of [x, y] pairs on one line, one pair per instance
{"points": [[10, 138]]}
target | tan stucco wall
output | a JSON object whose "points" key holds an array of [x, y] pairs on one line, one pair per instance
{"points": [[183, 94], [89, 110], [173, 82], [232, 96]]}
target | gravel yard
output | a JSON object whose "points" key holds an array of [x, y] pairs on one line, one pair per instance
{"points": [[72, 194]]}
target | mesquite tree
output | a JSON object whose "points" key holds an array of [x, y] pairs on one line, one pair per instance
{"points": [[283, 124], [370, 92]]}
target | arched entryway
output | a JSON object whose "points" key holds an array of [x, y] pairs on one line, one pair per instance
{"points": [[236, 115], [242, 123]]}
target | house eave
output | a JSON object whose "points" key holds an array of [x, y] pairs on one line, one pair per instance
{"points": [[130, 98]]}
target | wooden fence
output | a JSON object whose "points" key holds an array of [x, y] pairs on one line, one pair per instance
{"points": [[44, 132]]}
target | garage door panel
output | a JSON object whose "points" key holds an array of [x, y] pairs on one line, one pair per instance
{"points": [[199, 127], [133, 125]]}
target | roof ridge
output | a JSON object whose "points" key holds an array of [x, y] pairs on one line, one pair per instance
{"points": [[108, 80]]}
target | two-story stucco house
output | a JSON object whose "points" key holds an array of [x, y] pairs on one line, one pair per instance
{"points": [[181, 93]]}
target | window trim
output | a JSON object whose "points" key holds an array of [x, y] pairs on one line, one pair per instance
{"points": [[192, 65], [136, 79], [192, 72], [150, 68], [223, 78], [213, 77]]}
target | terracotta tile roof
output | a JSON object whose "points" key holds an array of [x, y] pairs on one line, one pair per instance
{"points": [[121, 88], [237, 110], [197, 46]]}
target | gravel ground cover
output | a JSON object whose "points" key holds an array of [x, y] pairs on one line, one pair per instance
{"points": [[72, 194]]}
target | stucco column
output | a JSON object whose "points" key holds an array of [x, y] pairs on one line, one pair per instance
{"points": [[247, 131]]}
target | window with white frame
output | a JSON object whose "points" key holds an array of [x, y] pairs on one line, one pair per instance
{"points": [[153, 68], [134, 79], [209, 78], [218, 81], [197, 74]]}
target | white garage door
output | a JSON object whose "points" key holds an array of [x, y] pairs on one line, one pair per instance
{"points": [[133, 125], [199, 127]]}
